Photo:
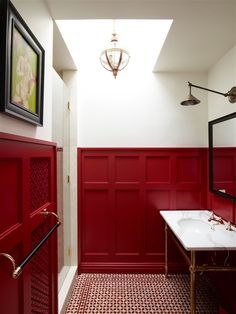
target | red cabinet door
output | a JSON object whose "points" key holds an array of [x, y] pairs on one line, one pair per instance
{"points": [[27, 187]]}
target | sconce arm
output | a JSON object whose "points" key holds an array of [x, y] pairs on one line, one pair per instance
{"points": [[210, 90]]}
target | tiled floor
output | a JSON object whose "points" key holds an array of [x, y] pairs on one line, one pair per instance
{"points": [[139, 294]]}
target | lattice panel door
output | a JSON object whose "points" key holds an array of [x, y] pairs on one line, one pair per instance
{"points": [[27, 187]]}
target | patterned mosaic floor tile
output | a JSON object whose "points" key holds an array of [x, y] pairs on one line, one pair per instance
{"points": [[139, 294]]}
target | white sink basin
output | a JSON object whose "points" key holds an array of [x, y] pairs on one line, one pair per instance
{"points": [[195, 232], [195, 226]]}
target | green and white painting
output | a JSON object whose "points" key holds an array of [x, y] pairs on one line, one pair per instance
{"points": [[24, 73]]}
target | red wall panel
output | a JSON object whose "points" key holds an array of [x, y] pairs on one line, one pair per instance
{"points": [[127, 223], [98, 173], [188, 169], [121, 192], [96, 219], [10, 174], [127, 169], [158, 169], [154, 239]]}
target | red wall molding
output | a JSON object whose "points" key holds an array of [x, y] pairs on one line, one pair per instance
{"points": [[121, 191]]}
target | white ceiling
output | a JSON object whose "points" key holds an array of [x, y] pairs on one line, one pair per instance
{"points": [[201, 33]]}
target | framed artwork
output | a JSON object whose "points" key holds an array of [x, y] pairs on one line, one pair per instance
{"points": [[21, 67]]}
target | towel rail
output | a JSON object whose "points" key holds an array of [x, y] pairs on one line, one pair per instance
{"points": [[17, 270]]}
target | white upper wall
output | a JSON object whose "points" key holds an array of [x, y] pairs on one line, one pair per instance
{"points": [[139, 109], [222, 77], [37, 17]]}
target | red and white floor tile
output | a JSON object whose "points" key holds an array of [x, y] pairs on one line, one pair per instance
{"points": [[139, 294]]}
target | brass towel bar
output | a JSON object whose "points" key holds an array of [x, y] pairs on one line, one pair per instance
{"points": [[17, 270]]}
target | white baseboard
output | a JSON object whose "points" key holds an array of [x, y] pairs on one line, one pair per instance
{"points": [[66, 289]]}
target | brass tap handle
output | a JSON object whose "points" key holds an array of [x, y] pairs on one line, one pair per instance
{"points": [[229, 226], [212, 217], [220, 220]]}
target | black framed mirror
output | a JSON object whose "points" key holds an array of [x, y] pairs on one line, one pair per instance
{"points": [[222, 156]]}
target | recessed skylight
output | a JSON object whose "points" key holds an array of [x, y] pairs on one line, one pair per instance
{"points": [[143, 39]]}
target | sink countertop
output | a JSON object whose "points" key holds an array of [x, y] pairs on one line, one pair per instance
{"points": [[195, 232]]}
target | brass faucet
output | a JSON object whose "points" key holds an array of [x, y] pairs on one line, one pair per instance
{"points": [[216, 218]]}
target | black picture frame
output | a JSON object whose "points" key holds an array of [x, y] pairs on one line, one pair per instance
{"points": [[21, 66], [212, 150]]}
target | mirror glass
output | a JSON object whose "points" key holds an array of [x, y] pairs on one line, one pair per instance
{"points": [[222, 156]]}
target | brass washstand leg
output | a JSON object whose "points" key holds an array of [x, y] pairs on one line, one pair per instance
{"points": [[192, 270], [166, 250]]}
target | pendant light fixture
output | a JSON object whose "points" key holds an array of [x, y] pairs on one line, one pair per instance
{"points": [[114, 59]]}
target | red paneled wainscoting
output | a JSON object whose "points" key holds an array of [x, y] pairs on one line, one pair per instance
{"points": [[121, 191], [28, 186]]}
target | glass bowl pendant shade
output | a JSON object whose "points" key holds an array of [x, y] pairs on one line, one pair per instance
{"points": [[114, 59]]}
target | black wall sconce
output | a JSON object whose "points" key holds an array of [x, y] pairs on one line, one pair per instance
{"points": [[191, 100]]}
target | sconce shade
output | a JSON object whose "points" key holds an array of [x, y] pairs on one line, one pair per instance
{"points": [[190, 101], [114, 59]]}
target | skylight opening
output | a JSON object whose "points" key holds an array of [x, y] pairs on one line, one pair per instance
{"points": [[143, 39]]}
